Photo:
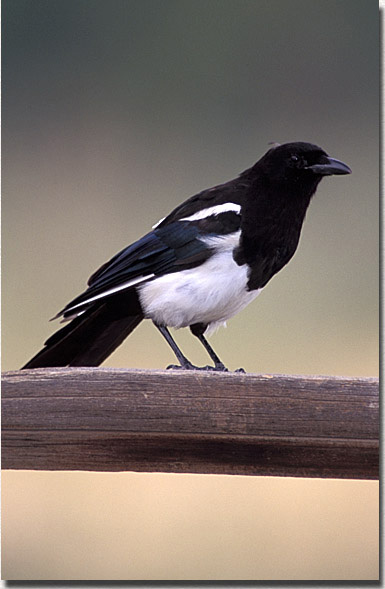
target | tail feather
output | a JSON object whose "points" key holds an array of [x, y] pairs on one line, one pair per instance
{"points": [[88, 340]]}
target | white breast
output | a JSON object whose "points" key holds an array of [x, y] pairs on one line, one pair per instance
{"points": [[210, 293]]}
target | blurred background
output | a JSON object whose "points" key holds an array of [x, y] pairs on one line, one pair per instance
{"points": [[115, 112]]}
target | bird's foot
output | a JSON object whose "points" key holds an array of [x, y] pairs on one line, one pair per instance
{"points": [[219, 367], [188, 366]]}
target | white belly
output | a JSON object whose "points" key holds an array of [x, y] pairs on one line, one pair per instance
{"points": [[210, 293]]}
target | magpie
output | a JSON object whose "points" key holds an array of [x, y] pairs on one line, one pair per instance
{"points": [[200, 265]]}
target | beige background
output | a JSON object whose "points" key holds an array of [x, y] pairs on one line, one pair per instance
{"points": [[113, 113], [155, 526]]}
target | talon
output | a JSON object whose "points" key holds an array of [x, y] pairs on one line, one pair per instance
{"points": [[241, 370], [217, 368], [189, 366]]}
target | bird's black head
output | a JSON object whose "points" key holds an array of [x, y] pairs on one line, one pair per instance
{"points": [[299, 163]]}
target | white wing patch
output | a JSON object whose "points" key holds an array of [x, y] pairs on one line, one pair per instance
{"points": [[158, 223], [111, 291], [217, 210], [209, 212]]}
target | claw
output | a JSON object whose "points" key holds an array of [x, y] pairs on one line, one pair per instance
{"points": [[189, 366], [177, 367]]}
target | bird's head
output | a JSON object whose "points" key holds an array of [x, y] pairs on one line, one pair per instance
{"points": [[300, 163]]}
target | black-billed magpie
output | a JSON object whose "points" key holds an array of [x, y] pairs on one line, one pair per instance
{"points": [[200, 265]]}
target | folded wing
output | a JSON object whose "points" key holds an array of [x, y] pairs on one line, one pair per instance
{"points": [[176, 246]]}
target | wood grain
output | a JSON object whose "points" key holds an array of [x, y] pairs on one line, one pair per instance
{"points": [[179, 421]]}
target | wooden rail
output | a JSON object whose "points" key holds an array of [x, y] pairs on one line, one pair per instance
{"points": [[196, 422]]}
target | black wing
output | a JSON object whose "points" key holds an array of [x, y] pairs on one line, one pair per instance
{"points": [[170, 248], [233, 192]]}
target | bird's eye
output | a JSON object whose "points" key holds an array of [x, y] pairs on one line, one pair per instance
{"points": [[294, 158]]}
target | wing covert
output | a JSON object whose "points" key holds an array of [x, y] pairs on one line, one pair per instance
{"points": [[168, 248]]}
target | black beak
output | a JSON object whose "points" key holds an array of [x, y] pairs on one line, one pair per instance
{"points": [[330, 167]]}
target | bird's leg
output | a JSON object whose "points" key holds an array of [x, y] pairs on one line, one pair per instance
{"points": [[184, 362], [198, 329], [217, 363]]}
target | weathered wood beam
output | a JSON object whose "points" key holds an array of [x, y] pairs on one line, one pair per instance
{"points": [[198, 422]]}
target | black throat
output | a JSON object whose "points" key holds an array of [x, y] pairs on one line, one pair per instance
{"points": [[272, 218]]}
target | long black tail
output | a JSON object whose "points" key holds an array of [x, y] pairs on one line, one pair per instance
{"points": [[88, 340]]}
